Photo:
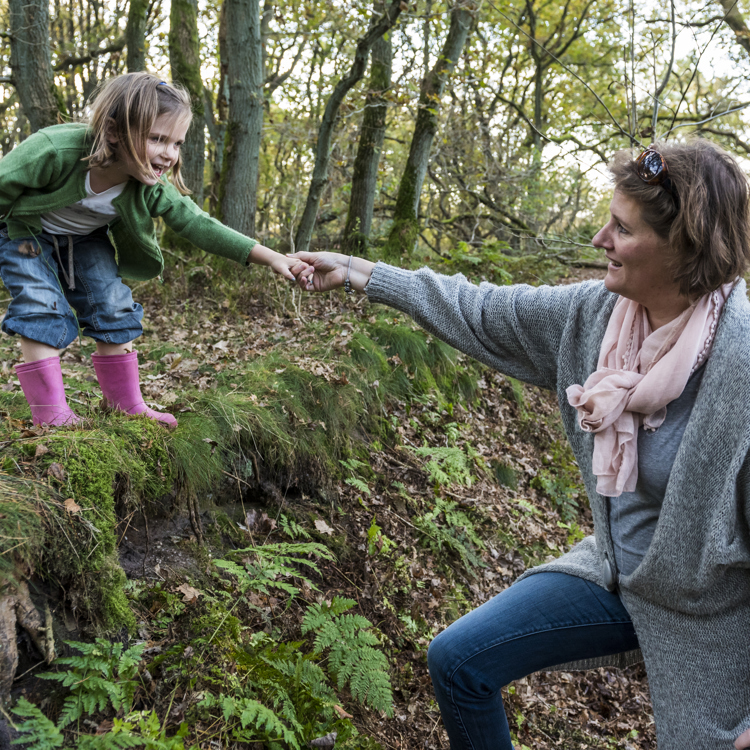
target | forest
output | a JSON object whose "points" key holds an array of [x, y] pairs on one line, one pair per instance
{"points": [[342, 485]]}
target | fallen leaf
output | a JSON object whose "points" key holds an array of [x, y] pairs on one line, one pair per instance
{"points": [[40, 450], [57, 472], [190, 594], [342, 713], [323, 527], [72, 506]]}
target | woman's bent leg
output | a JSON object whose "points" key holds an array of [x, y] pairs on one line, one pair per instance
{"points": [[544, 620]]}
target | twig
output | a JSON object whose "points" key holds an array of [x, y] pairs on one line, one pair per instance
{"points": [[572, 72], [695, 71], [148, 541], [667, 75], [18, 677]]}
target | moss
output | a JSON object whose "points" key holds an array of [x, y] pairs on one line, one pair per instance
{"points": [[285, 421]]}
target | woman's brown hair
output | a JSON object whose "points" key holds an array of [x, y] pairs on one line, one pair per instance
{"points": [[124, 109], [703, 215]]}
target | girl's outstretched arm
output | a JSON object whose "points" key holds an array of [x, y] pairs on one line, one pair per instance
{"points": [[329, 271]]}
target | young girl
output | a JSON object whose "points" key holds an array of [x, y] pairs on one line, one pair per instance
{"points": [[77, 204]]}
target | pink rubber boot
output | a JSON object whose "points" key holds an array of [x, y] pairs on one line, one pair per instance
{"points": [[42, 385], [118, 378]]}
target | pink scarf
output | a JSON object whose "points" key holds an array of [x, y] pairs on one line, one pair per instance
{"points": [[638, 374]]}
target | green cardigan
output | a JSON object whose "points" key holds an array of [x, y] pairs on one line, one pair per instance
{"points": [[46, 173]]}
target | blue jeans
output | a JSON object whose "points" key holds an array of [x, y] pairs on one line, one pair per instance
{"points": [[545, 620], [42, 306]]}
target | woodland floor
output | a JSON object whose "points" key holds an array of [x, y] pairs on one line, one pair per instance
{"points": [[407, 586]]}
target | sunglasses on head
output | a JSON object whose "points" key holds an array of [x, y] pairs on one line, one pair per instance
{"points": [[651, 167]]}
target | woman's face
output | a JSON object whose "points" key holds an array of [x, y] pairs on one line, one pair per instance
{"points": [[638, 258]]}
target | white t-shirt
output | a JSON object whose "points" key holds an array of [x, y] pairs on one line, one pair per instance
{"points": [[90, 213]]}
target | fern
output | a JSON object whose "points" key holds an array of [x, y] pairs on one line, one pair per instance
{"points": [[359, 484], [446, 466], [100, 677], [263, 722], [352, 656], [455, 533], [264, 566], [39, 732], [292, 529]]}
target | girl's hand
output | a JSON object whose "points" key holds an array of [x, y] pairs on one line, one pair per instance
{"points": [[743, 741], [283, 265], [289, 268], [328, 271]]}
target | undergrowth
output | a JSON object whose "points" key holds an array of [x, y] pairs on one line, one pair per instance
{"points": [[260, 650]]}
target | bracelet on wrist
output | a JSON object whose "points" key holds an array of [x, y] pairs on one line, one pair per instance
{"points": [[347, 284]]}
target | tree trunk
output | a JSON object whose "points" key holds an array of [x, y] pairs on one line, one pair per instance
{"points": [[244, 84], [325, 134], [735, 20], [405, 229], [365, 176], [31, 61], [185, 61], [135, 35]]}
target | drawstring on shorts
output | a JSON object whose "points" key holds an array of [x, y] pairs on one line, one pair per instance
{"points": [[70, 275]]}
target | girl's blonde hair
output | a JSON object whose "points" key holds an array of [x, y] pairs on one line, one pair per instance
{"points": [[125, 109]]}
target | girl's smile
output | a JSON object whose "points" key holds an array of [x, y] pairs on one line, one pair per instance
{"points": [[162, 152]]}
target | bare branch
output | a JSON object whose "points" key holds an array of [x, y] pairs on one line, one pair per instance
{"points": [[732, 4], [572, 72], [709, 119], [667, 74], [72, 62]]}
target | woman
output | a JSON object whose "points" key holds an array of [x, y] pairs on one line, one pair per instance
{"points": [[652, 373]]}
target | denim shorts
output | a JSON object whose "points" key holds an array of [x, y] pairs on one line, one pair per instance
{"points": [[44, 308]]}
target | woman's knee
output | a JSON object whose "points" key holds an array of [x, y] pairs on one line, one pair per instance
{"points": [[457, 663]]}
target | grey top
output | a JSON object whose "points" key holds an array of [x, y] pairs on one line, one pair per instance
{"points": [[633, 515], [689, 598]]}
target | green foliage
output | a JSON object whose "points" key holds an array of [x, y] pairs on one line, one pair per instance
{"points": [[291, 528], [262, 722], [447, 529], [558, 489], [37, 731], [352, 655], [101, 678], [447, 465], [377, 541], [264, 566], [504, 474], [102, 675]]}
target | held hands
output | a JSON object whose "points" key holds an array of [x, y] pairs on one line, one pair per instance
{"points": [[326, 271], [743, 741], [286, 266]]}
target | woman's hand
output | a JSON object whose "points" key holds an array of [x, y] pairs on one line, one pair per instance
{"points": [[743, 741], [328, 271]]}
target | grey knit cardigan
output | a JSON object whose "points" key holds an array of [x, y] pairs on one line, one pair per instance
{"points": [[689, 599]]}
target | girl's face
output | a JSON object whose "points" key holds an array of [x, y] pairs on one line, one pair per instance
{"points": [[162, 149]]}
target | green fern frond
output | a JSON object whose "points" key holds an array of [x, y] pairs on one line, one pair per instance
{"points": [[352, 657], [38, 732], [360, 484]]}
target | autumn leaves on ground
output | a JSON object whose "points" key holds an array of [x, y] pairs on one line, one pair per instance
{"points": [[340, 488]]}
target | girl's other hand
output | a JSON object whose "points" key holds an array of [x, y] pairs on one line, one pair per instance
{"points": [[328, 271]]}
